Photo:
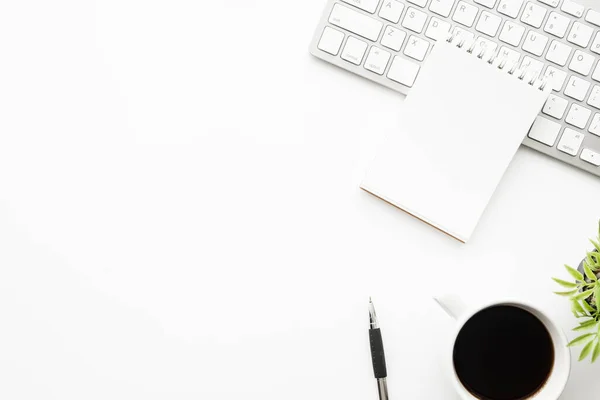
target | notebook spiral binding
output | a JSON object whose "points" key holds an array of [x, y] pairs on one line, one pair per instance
{"points": [[500, 61]]}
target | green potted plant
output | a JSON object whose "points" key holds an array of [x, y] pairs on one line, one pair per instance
{"points": [[584, 294]]}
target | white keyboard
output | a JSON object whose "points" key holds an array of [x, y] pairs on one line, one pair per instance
{"points": [[387, 41]]}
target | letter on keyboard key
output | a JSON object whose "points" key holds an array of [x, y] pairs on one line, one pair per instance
{"points": [[555, 106], [414, 20], [580, 34], [556, 78], [533, 15], [403, 71], [570, 142], [437, 29], [416, 48], [484, 46], [591, 156], [367, 5], [593, 17], [511, 33], [535, 43], [558, 53], [595, 125], [465, 14], [557, 24], [355, 22], [578, 116], [377, 60], [393, 38], [575, 9], [544, 131], [488, 23], [391, 10], [442, 7], [582, 63], [354, 51], [594, 99], [577, 88], [331, 41], [510, 7]]}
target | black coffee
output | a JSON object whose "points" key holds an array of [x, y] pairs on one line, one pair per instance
{"points": [[503, 353]]}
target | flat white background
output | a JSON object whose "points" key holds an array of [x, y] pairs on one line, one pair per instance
{"points": [[180, 215]]}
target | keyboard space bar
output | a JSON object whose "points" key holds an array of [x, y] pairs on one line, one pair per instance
{"points": [[355, 22]]}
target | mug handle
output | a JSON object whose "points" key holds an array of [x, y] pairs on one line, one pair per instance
{"points": [[452, 304]]}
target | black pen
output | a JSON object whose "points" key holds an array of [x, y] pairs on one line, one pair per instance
{"points": [[377, 353]]}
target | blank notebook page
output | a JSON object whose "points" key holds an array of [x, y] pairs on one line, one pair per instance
{"points": [[463, 121]]}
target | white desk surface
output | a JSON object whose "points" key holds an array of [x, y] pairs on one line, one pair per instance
{"points": [[180, 215]]}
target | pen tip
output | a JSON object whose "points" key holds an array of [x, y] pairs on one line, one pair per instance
{"points": [[370, 301]]}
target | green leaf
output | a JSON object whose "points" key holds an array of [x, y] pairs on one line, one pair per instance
{"points": [[586, 325], [581, 339], [592, 261], [566, 284], [597, 294], [587, 307], [589, 273], [586, 350], [596, 351], [584, 295], [596, 245], [566, 293], [574, 273], [576, 307]]}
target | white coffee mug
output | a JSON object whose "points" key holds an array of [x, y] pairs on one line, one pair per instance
{"points": [[561, 369]]}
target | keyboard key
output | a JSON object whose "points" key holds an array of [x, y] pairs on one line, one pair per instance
{"points": [[414, 20], [488, 23], [377, 60], [533, 15], [570, 142], [577, 88], [403, 71], [391, 10], [393, 38], [465, 14], [593, 17], [512, 57], [461, 34], [595, 125], [367, 5], [533, 68], [355, 22], [442, 7], [596, 74], [578, 116], [420, 3], [331, 41], [556, 78], [486, 3], [596, 44], [512, 33], [551, 3], [572, 8], [590, 156], [437, 29], [544, 131], [354, 51], [535, 43], [557, 24], [555, 106], [582, 62], [558, 53], [580, 34], [594, 99], [510, 7], [416, 48], [484, 46]]}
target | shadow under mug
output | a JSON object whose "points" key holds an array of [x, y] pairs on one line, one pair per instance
{"points": [[556, 381]]}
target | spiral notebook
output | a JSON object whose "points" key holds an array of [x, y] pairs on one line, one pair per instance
{"points": [[463, 122]]}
